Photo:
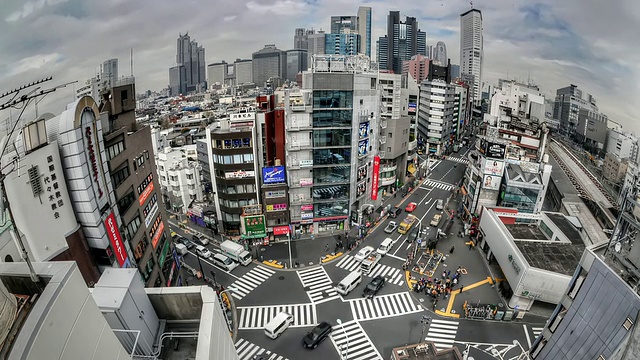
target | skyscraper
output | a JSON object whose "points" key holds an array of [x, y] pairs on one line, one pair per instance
{"points": [[364, 29], [315, 44], [269, 63], [440, 53], [343, 24], [301, 38], [192, 57], [471, 49], [342, 44], [404, 40], [382, 45]]}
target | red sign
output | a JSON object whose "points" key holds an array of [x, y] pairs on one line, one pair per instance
{"points": [[281, 230], [374, 182], [92, 158], [157, 235], [306, 207], [116, 239], [145, 194]]}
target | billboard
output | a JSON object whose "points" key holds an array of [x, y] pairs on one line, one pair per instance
{"points": [[255, 226], [281, 230], [306, 181], [306, 207], [495, 150], [363, 130], [374, 182], [273, 175], [306, 163], [306, 215], [116, 239], [91, 147], [276, 207], [493, 167], [362, 188], [412, 108], [363, 147], [491, 182], [240, 174], [362, 173]]}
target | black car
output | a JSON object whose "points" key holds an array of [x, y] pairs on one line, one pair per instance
{"points": [[373, 286], [317, 335], [413, 234], [185, 242], [394, 212]]}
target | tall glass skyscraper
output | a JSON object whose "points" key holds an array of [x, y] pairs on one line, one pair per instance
{"points": [[364, 29], [471, 49]]}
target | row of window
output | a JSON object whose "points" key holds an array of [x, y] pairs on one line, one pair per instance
{"points": [[233, 159], [115, 149], [125, 202], [233, 143], [237, 203], [132, 227], [120, 176]]}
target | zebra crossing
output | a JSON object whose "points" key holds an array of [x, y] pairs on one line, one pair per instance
{"points": [[536, 331], [442, 333], [256, 317], [352, 342], [247, 350], [459, 160], [437, 185], [432, 165], [393, 275], [317, 284], [250, 281], [383, 306]]}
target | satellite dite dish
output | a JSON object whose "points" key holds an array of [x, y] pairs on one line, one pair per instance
{"points": [[617, 247]]}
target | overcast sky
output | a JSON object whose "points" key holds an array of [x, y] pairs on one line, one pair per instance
{"points": [[589, 43]]}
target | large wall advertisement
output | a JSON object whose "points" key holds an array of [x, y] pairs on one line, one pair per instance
{"points": [[273, 175], [88, 123], [363, 147], [493, 167], [254, 226], [491, 182], [363, 130], [376, 176], [116, 239]]}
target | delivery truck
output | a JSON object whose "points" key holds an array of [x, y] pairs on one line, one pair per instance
{"points": [[236, 252]]}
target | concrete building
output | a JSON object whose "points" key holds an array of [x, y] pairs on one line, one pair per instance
{"points": [[296, 62], [472, 50], [269, 63], [344, 24], [301, 38], [591, 131], [364, 29], [569, 100], [243, 70], [518, 99], [332, 142], [417, 67], [316, 43], [192, 57], [403, 40], [614, 168], [623, 145], [217, 73], [109, 72], [180, 179], [537, 253], [177, 80], [345, 43], [440, 54], [62, 319], [90, 88]]}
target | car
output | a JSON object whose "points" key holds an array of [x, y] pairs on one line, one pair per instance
{"points": [[436, 220], [393, 213], [363, 253], [440, 204], [391, 227], [185, 242], [412, 206], [317, 335], [413, 234], [373, 287]]}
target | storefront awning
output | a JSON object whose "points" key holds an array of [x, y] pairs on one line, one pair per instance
{"points": [[411, 168]]}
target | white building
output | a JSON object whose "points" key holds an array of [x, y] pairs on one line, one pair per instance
{"points": [[471, 49], [521, 100], [622, 145], [180, 178], [437, 115]]}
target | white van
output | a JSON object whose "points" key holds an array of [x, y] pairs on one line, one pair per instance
{"points": [[439, 204], [278, 325], [203, 252], [349, 282], [224, 262], [385, 246], [181, 249]]}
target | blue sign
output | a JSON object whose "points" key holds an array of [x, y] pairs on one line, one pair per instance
{"points": [[272, 175], [363, 130]]}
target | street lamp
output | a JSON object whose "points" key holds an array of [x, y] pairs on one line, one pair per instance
{"points": [[344, 354]]}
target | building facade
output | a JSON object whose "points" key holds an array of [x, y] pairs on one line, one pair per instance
{"points": [[217, 73], [243, 71], [440, 53], [472, 49], [569, 100], [342, 44], [403, 40], [417, 67], [591, 130], [296, 62], [269, 64], [622, 145], [192, 57], [179, 178], [364, 29]]}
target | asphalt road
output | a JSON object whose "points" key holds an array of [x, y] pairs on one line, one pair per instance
{"points": [[370, 328]]}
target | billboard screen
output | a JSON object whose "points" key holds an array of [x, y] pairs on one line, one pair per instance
{"points": [[412, 108], [495, 150], [273, 175], [493, 167]]}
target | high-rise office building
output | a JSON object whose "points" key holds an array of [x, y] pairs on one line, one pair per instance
{"points": [[403, 40], [269, 63], [296, 62], [243, 71], [110, 72], [440, 53], [343, 24], [364, 29], [569, 101], [315, 44], [192, 57], [217, 73], [471, 49], [301, 38], [382, 45], [342, 44]]}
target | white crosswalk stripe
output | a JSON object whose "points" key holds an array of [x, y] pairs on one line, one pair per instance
{"points": [[383, 306], [393, 275], [317, 284], [250, 281], [247, 350], [456, 159], [352, 342], [438, 185], [432, 165], [442, 333], [536, 330], [256, 317]]}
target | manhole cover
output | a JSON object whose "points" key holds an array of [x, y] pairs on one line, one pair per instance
{"points": [[263, 249], [421, 300], [500, 305], [280, 277]]}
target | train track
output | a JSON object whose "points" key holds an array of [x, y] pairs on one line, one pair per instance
{"points": [[575, 181]]}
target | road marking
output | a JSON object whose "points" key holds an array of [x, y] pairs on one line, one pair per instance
{"points": [[392, 275], [442, 333], [352, 342], [256, 317], [317, 284], [211, 264], [439, 184], [383, 306], [250, 281], [396, 257], [526, 332], [247, 350]]}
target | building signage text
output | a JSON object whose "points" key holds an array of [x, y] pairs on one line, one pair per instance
{"points": [[92, 159], [116, 239], [374, 182], [514, 264]]}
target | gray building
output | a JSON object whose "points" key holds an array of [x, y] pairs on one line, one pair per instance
{"points": [[269, 63], [472, 50], [217, 73], [344, 24], [192, 58], [569, 101], [177, 80], [342, 44], [381, 57], [592, 130], [364, 29], [296, 62], [315, 44], [440, 53], [243, 70], [455, 71], [109, 74], [403, 40]]}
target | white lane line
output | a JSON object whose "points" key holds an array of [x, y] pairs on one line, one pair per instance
{"points": [[526, 332], [213, 266]]}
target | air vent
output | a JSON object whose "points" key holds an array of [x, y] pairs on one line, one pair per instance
{"points": [[34, 180]]}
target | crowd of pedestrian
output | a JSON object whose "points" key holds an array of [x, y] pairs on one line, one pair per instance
{"points": [[439, 288]]}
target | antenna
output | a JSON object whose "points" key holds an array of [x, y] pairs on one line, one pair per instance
{"points": [[131, 61]]}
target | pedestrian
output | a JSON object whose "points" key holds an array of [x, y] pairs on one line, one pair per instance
{"points": [[448, 274], [455, 281], [444, 274], [470, 244], [326, 247], [452, 250], [461, 287]]}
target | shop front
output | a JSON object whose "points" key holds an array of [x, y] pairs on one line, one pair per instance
{"points": [[331, 225], [279, 233]]}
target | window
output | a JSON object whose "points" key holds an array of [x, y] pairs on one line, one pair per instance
{"points": [[120, 176], [138, 252], [132, 227], [389, 149], [390, 135], [115, 149], [125, 202], [628, 323]]}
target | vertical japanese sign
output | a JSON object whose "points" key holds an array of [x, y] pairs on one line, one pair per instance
{"points": [[374, 182]]}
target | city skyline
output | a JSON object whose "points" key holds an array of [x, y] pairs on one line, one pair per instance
{"points": [[553, 44]]}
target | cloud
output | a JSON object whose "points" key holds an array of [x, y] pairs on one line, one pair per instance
{"points": [[34, 63], [279, 7], [30, 7]]}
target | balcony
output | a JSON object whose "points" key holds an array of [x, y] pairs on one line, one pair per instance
{"points": [[173, 183], [193, 192], [388, 167], [383, 124], [299, 127], [383, 139], [297, 106]]}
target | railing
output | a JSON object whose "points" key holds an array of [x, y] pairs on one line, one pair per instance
{"points": [[383, 124], [388, 167], [383, 139]]}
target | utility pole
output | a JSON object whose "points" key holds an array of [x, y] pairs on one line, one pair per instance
{"points": [[424, 320]]}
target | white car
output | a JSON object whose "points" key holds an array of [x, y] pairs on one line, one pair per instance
{"points": [[364, 253]]}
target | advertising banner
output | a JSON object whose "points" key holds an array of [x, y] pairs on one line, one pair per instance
{"points": [[306, 215], [281, 230], [495, 150], [145, 194], [275, 194], [363, 130], [255, 226], [374, 182], [157, 235], [491, 182], [276, 207], [239, 174], [116, 239], [151, 214], [306, 207], [363, 147], [412, 108], [306, 181], [273, 175], [362, 173], [493, 167], [362, 188]]}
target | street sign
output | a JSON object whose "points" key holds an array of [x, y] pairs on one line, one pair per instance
{"points": [[419, 241]]}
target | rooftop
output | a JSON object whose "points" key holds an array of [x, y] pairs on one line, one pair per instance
{"points": [[526, 232], [557, 257], [563, 223], [424, 351]]}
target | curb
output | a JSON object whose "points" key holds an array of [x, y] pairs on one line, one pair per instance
{"points": [[327, 258], [274, 264]]}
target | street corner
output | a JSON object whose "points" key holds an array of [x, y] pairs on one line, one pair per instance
{"points": [[330, 257], [460, 299], [274, 264], [410, 280]]}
